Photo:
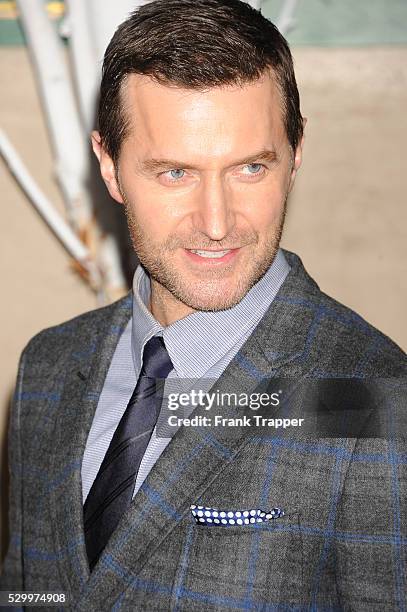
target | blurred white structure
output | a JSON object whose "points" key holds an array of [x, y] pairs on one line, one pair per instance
{"points": [[91, 25], [285, 21], [70, 112], [66, 133], [51, 216]]}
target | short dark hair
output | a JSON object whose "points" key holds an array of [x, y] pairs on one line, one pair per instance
{"points": [[195, 44]]}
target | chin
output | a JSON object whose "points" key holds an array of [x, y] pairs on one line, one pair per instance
{"points": [[212, 307], [214, 302], [224, 290]]}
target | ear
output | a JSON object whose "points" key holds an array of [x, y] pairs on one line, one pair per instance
{"points": [[107, 169], [298, 156]]}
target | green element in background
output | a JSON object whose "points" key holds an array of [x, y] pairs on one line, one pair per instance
{"points": [[11, 33], [345, 23], [341, 23]]}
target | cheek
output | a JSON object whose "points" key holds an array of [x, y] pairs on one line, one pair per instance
{"points": [[154, 217], [264, 206], [150, 223]]}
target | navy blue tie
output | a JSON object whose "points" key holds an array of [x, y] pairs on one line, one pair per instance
{"points": [[112, 489]]}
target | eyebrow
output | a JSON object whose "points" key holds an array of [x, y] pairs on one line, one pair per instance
{"points": [[155, 165]]}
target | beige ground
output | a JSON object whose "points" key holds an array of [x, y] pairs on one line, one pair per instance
{"points": [[347, 217]]}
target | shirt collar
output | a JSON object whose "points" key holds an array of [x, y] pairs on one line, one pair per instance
{"points": [[200, 340]]}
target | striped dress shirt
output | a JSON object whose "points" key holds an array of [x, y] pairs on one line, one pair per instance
{"points": [[200, 347]]}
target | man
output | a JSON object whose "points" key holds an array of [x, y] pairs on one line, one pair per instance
{"points": [[200, 138]]}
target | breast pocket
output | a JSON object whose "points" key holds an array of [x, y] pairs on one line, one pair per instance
{"points": [[241, 567]]}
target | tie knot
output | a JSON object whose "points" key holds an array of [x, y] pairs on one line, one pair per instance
{"points": [[156, 361]]}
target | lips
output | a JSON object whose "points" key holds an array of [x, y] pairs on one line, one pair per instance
{"points": [[206, 257], [211, 254]]}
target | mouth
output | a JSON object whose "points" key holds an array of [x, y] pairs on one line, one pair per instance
{"points": [[212, 254], [211, 257]]}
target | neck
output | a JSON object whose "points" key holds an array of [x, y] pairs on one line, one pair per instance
{"points": [[165, 307]]}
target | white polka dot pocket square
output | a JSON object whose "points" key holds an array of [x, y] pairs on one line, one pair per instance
{"points": [[214, 516]]}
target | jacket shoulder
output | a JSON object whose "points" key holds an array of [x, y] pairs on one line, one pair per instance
{"points": [[352, 339], [56, 341], [333, 337]]}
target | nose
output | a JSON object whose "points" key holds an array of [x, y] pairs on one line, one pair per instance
{"points": [[214, 215]]}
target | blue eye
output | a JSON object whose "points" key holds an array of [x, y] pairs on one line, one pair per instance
{"points": [[254, 168], [177, 173]]}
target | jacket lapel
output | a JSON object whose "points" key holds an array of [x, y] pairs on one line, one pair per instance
{"points": [[84, 380], [195, 457]]}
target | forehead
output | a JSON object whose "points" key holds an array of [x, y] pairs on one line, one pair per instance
{"points": [[216, 120]]}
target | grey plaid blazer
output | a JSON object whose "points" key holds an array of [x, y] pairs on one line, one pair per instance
{"points": [[341, 545]]}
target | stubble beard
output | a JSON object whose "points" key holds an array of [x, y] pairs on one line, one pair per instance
{"points": [[203, 294]]}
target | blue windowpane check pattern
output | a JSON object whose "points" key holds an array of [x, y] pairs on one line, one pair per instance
{"points": [[341, 544], [213, 516]]}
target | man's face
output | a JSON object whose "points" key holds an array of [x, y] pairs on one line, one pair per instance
{"points": [[204, 178]]}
